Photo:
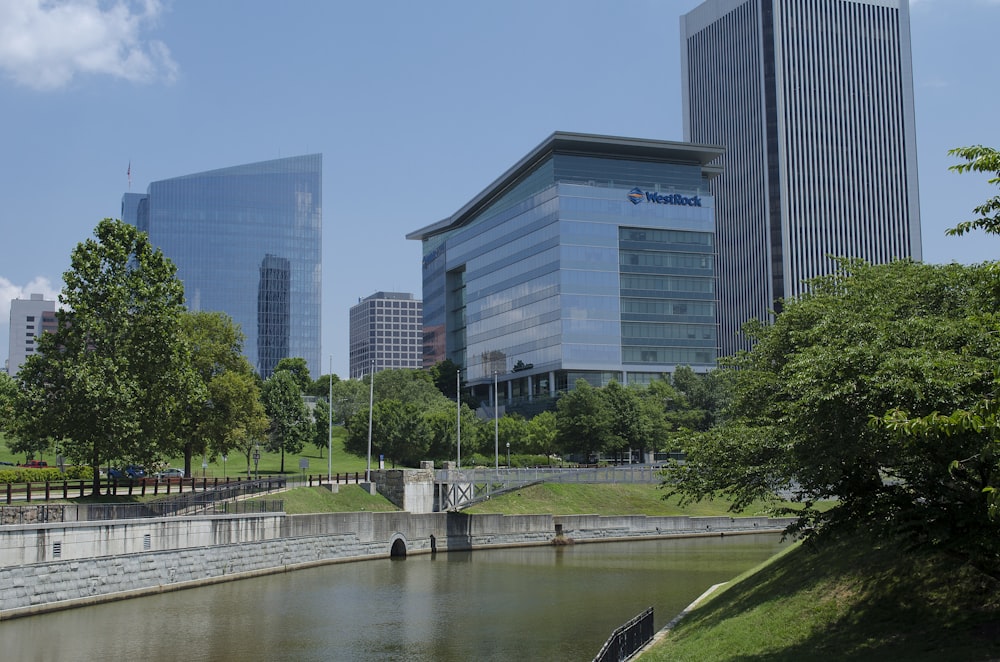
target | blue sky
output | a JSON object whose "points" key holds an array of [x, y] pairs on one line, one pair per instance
{"points": [[416, 107]]}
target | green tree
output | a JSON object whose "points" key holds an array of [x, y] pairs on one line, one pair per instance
{"points": [[977, 424], [17, 442], [704, 397], [398, 432], [114, 381], [582, 420], [215, 344], [444, 374], [321, 425], [864, 341], [349, 397], [238, 421], [291, 425], [513, 430], [980, 159], [409, 386], [542, 434], [8, 396], [299, 369], [320, 388], [629, 424]]}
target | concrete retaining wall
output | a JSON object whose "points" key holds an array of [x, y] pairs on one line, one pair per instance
{"points": [[45, 567]]}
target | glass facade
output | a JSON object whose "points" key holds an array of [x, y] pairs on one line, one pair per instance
{"points": [[247, 241], [577, 266]]}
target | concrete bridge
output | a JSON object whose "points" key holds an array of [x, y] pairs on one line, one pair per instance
{"points": [[451, 489]]}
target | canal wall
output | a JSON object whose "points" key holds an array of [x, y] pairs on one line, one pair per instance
{"points": [[46, 567]]}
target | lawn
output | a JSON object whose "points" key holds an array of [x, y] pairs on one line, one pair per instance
{"points": [[605, 499], [846, 600]]}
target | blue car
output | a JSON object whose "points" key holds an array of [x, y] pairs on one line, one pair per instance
{"points": [[135, 472], [131, 472]]}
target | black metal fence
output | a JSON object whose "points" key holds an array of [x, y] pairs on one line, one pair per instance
{"points": [[68, 489], [223, 499], [628, 638]]}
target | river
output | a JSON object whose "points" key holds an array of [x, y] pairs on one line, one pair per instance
{"points": [[529, 603]]}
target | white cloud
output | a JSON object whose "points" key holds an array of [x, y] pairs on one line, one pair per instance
{"points": [[45, 43]]}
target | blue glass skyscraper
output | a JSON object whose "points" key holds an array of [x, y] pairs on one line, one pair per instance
{"points": [[592, 258], [247, 241]]}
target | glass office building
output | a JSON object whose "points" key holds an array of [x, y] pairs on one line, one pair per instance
{"points": [[247, 241], [813, 102], [593, 257]]}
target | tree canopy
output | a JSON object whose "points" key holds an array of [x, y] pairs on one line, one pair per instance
{"points": [[291, 423], [863, 341], [231, 399], [114, 381]]}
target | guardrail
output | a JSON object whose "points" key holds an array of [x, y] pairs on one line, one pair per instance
{"points": [[356, 477], [210, 500], [628, 638]]}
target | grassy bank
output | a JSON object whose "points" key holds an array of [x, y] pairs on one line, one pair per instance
{"points": [[603, 499], [850, 600], [350, 498]]}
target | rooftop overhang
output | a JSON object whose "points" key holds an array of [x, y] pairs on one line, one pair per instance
{"points": [[580, 144]]}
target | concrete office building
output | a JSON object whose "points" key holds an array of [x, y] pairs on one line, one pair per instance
{"points": [[247, 241], [29, 318], [386, 332], [591, 258], [813, 102]]}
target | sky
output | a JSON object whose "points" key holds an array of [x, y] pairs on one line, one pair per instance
{"points": [[415, 106]]}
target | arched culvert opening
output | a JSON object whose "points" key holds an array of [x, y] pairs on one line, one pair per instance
{"points": [[398, 549]]}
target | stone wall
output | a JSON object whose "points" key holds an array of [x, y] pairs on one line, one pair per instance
{"points": [[44, 567]]}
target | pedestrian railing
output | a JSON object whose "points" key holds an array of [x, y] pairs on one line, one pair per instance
{"points": [[225, 498], [70, 489], [628, 638]]}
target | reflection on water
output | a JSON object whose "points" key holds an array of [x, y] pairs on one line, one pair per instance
{"points": [[538, 603]]}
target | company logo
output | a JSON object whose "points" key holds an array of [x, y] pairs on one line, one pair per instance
{"points": [[637, 195]]}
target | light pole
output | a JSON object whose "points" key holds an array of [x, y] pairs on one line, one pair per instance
{"points": [[458, 414], [496, 421], [371, 404], [508, 455], [329, 426]]}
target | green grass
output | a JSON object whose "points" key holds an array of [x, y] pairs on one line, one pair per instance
{"points": [[848, 600], [604, 499], [350, 498]]}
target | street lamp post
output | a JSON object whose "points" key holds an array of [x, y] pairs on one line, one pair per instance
{"points": [[496, 421], [371, 404], [329, 426], [458, 414], [508, 455]]}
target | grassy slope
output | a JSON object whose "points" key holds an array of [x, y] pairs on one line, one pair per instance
{"points": [[616, 499], [845, 601], [350, 498]]}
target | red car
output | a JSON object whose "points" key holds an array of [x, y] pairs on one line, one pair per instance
{"points": [[35, 464]]}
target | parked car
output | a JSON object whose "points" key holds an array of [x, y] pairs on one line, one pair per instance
{"points": [[168, 474], [35, 464], [134, 472]]}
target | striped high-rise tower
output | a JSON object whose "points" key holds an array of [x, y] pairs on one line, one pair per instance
{"points": [[813, 102]]}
